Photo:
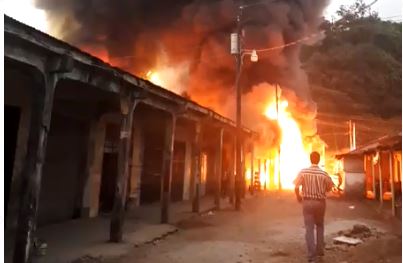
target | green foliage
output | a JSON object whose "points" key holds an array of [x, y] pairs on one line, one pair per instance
{"points": [[360, 56]]}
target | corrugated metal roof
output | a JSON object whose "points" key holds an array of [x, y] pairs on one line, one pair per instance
{"points": [[389, 142]]}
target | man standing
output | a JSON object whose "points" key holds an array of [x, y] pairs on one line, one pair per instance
{"points": [[315, 183]]}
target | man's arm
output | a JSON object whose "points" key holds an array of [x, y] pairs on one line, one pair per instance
{"points": [[298, 183], [329, 183]]}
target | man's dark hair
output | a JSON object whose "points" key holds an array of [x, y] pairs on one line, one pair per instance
{"points": [[315, 157]]}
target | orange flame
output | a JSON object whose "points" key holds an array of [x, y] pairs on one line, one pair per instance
{"points": [[293, 153]]}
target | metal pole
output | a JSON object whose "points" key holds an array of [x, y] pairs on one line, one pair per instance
{"points": [[238, 176], [279, 147], [354, 138], [252, 159], [265, 173]]}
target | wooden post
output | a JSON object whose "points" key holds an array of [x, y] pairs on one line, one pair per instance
{"points": [[252, 160], [243, 166], [392, 182], [218, 166], [232, 175], [42, 106], [167, 168], [380, 180], [196, 169], [127, 105], [373, 176]]}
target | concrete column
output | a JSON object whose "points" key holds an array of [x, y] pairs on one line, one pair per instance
{"points": [[42, 106], [232, 174], [392, 182], [128, 105], [196, 169], [167, 168], [218, 168], [380, 179], [373, 176]]}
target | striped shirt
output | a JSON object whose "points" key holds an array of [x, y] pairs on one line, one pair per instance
{"points": [[314, 181]]}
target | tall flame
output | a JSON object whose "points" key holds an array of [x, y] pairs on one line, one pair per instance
{"points": [[293, 155]]}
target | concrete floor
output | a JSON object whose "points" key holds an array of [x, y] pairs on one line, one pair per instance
{"points": [[270, 229], [74, 239]]}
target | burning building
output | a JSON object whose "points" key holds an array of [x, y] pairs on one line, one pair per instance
{"points": [[86, 139], [82, 105], [184, 46]]}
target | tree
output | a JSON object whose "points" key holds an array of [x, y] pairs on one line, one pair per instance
{"points": [[360, 56]]}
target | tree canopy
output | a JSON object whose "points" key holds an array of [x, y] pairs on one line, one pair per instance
{"points": [[360, 57]]}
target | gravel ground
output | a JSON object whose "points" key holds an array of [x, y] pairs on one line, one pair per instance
{"points": [[270, 229]]}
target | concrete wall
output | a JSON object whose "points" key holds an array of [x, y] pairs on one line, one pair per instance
{"points": [[354, 176], [354, 164], [354, 184], [64, 170], [183, 134]]}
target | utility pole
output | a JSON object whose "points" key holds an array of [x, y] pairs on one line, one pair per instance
{"points": [[351, 134], [236, 51]]}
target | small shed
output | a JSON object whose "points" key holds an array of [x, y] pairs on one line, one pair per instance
{"points": [[374, 170]]}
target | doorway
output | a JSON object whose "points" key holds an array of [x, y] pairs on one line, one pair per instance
{"points": [[109, 168], [11, 122], [178, 171]]}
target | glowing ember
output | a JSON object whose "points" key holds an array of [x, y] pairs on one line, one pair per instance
{"points": [[293, 156]]}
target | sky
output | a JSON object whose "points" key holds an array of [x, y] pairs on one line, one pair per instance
{"points": [[24, 11]]}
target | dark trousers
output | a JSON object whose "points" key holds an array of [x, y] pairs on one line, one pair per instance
{"points": [[314, 214]]}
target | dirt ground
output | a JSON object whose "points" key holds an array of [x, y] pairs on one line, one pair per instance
{"points": [[270, 229]]}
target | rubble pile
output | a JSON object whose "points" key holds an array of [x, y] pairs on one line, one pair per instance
{"points": [[357, 235]]}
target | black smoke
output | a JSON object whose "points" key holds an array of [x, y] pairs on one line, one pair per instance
{"points": [[136, 32]]}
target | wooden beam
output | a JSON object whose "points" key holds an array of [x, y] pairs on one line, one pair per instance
{"points": [[167, 168], [128, 104], [392, 182], [32, 172], [218, 166], [196, 169]]}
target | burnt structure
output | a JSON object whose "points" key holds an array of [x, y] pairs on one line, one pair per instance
{"points": [[85, 138]]}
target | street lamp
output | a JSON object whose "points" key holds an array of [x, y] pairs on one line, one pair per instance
{"points": [[239, 53]]}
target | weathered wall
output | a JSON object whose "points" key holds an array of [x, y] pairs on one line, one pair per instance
{"points": [[94, 168], [63, 170], [183, 134], [354, 164], [136, 161], [354, 176]]}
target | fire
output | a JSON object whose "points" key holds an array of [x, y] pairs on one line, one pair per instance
{"points": [[155, 78], [293, 154]]}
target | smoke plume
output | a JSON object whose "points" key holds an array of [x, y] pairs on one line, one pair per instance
{"points": [[135, 34]]}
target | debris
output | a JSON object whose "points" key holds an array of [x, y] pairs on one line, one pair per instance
{"points": [[359, 229], [347, 240], [351, 207]]}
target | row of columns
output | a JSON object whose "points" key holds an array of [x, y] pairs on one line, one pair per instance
{"points": [[391, 179], [32, 172]]}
